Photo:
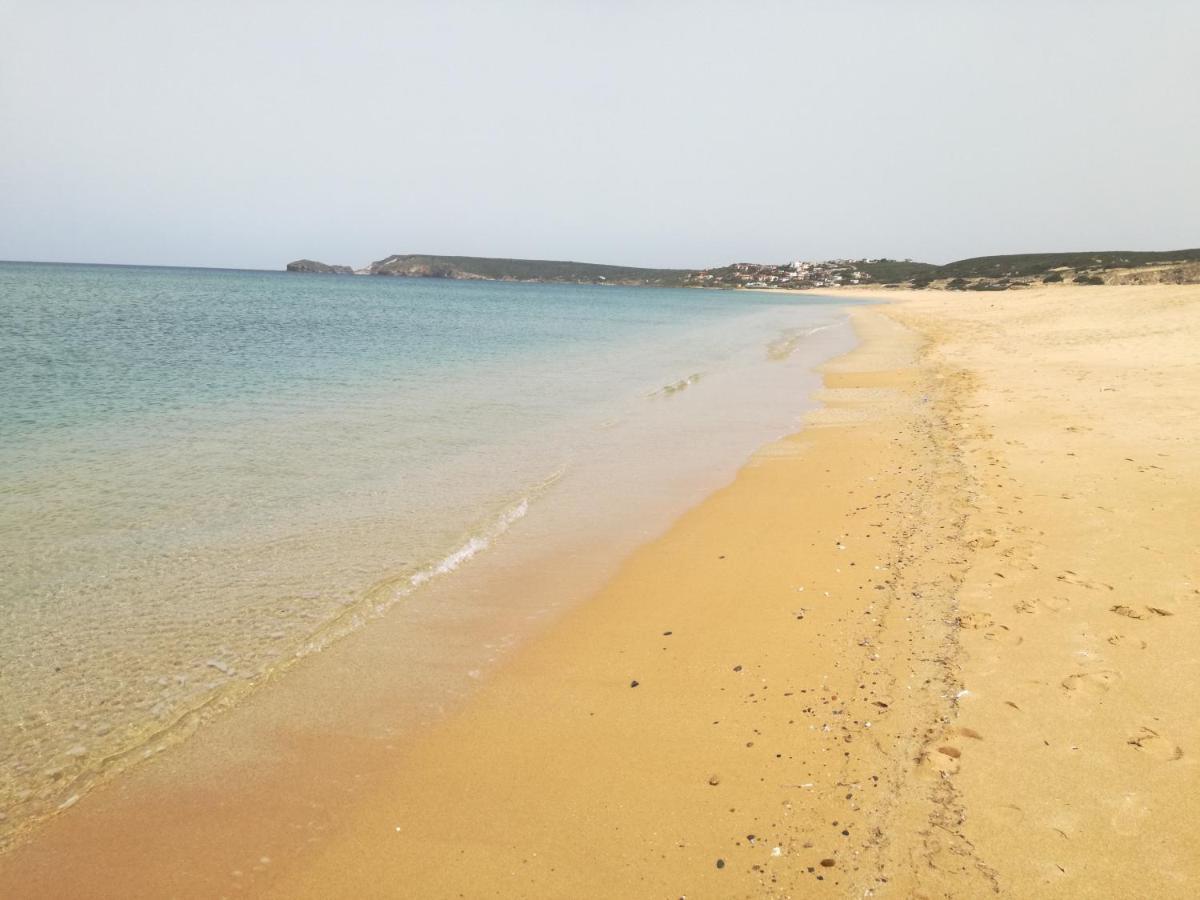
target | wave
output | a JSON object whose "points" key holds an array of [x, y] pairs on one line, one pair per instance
{"points": [[386, 592], [157, 736], [676, 386], [474, 544], [787, 342]]}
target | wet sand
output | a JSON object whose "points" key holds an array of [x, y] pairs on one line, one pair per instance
{"points": [[935, 645], [941, 643]]}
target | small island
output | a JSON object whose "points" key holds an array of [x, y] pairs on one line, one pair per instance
{"points": [[312, 267]]}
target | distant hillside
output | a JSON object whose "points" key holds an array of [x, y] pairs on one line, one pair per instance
{"points": [[888, 270], [981, 273], [415, 265], [1024, 265]]}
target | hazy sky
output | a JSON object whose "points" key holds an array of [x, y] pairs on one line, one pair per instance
{"points": [[653, 133]]}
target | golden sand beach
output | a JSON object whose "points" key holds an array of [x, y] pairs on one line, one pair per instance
{"points": [[944, 642]]}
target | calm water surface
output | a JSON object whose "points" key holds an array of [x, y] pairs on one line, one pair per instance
{"points": [[206, 474]]}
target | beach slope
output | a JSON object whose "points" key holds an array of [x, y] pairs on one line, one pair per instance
{"points": [[942, 643]]}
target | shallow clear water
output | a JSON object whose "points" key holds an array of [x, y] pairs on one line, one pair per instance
{"points": [[207, 473]]}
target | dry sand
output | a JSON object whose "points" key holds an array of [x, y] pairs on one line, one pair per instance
{"points": [[942, 643], [946, 639]]}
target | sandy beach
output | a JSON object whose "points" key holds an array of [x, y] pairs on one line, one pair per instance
{"points": [[940, 643], [934, 646]]}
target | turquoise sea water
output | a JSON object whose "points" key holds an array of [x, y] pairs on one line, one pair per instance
{"points": [[208, 473]]}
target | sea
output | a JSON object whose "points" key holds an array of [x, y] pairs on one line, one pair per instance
{"points": [[207, 475]]}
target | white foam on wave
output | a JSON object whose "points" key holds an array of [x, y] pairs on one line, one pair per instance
{"points": [[676, 386], [474, 544], [789, 340]]}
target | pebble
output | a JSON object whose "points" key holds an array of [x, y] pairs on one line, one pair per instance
{"points": [[714, 780], [633, 684], [828, 863], [720, 863]]}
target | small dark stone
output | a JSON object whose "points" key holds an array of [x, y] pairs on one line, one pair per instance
{"points": [[720, 863], [737, 668], [666, 634], [633, 684], [828, 863]]}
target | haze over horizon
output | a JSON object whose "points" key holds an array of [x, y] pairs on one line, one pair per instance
{"points": [[220, 134]]}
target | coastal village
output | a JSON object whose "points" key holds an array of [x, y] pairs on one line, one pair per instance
{"points": [[794, 275]]}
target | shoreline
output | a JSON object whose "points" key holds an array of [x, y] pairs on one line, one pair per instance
{"points": [[937, 643], [706, 695], [626, 460], [415, 668]]}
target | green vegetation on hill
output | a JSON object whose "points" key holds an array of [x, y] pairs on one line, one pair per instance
{"points": [[428, 266], [888, 271], [981, 273], [1021, 265]]}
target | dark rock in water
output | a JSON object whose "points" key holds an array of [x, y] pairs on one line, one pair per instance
{"points": [[312, 267]]}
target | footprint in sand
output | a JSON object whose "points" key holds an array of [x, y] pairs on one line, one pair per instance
{"points": [[1121, 640], [1002, 634], [1020, 557], [1075, 578], [1150, 742], [1131, 813], [1097, 682], [944, 759], [976, 620], [1147, 612], [984, 542], [1053, 604]]}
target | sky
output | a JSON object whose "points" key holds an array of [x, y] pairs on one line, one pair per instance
{"points": [[689, 134]]}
